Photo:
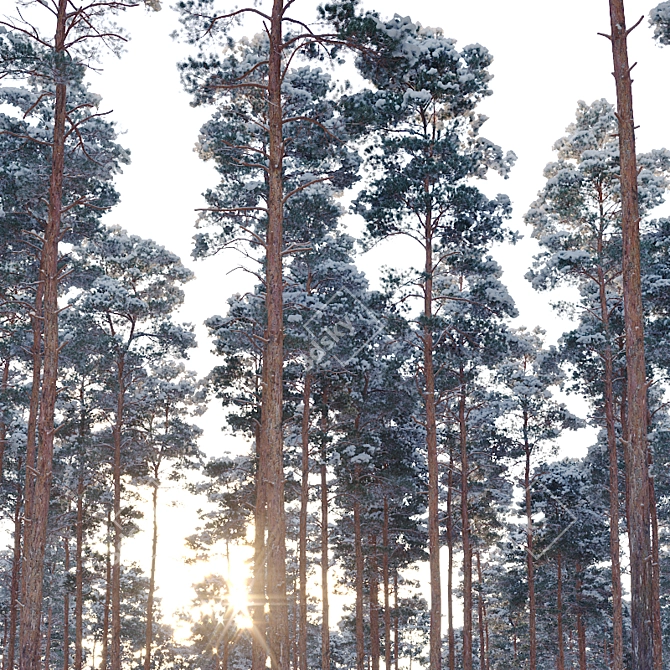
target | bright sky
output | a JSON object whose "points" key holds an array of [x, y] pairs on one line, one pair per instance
{"points": [[547, 57]]}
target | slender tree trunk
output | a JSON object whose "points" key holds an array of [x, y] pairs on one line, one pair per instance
{"points": [[360, 641], [66, 609], [3, 426], [374, 603], [272, 396], [259, 644], [656, 576], [435, 648], [617, 609], [108, 595], [640, 560], [467, 549], [325, 616], [79, 577], [396, 621], [304, 500], [450, 572], [149, 635], [530, 567], [560, 664], [385, 575], [36, 530], [118, 526], [16, 575], [581, 629], [480, 614]]}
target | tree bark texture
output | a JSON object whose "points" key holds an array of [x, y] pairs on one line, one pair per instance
{"points": [[325, 616], [385, 577], [467, 548], [360, 640], [373, 569], [36, 529], [638, 475], [450, 570], [16, 575], [149, 633], [272, 396], [304, 501], [530, 563], [560, 663]]}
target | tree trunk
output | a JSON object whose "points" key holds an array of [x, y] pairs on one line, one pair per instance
{"points": [[259, 643], [360, 641], [272, 395], [3, 426], [325, 617], [16, 574], [115, 656], [530, 567], [374, 603], [450, 572], [480, 614], [396, 621], [385, 576], [435, 649], [560, 664], [617, 610], [467, 549], [66, 609], [36, 530], [149, 634], [108, 595], [656, 575], [79, 577], [638, 476], [581, 629], [304, 500]]}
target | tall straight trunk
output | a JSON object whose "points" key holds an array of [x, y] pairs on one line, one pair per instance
{"points": [[374, 602], [360, 640], [435, 643], [642, 606], [34, 404], [304, 500], [273, 362], [4, 383], [16, 574], [79, 575], [115, 656], [560, 663], [617, 609], [581, 629], [450, 571], [480, 614], [530, 566], [149, 634], [66, 609], [385, 576], [325, 612], [108, 595], [467, 548], [259, 643], [656, 576], [396, 622], [36, 531]]}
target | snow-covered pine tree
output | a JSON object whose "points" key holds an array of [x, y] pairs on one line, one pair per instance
{"points": [[422, 155]]}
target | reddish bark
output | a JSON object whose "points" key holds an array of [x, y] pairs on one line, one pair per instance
{"points": [[360, 640], [374, 603], [638, 475], [302, 540], [450, 573], [465, 522], [325, 617], [79, 576], [385, 577], [36, 530], [16, 573], [581, 628], [66, 610]]}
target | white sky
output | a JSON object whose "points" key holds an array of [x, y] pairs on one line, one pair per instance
{"points": [[547, 57]]}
